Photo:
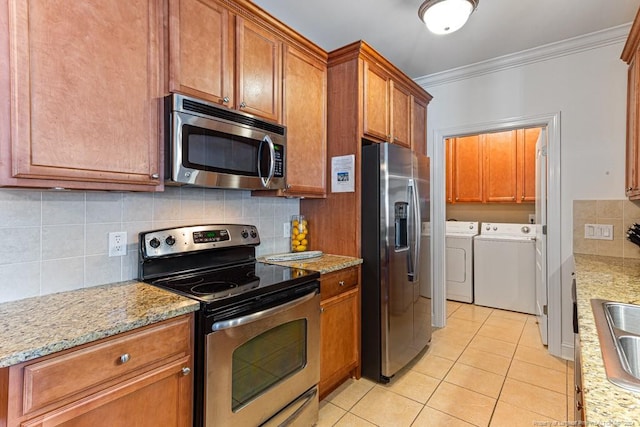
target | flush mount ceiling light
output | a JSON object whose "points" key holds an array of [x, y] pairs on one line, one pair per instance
{"points": [[446, 16]]}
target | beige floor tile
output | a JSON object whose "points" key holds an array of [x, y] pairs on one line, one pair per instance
{"points": [[451, 307], [329, 414], [472, 312], [433, 366], [350, 420], [513, 416], [528, 396], [350, 392], [458, 324], [484, 360], [414, 385], [512, 315], [531, 336], [538, 375], [510, 334], [540, 356], [492, 345], [449, 334], [506, 322], [461, 403], [475, 379], [386, 408], [430, 417], [447, 350]]}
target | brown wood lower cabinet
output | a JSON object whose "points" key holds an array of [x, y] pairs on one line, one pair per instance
{"points": [[140, 378], [339, 328]]}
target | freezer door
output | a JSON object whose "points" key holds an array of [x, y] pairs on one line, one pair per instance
{"points": [[422, 299]]}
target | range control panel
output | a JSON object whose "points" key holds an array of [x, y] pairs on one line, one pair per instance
{"points": [[172, 241]]}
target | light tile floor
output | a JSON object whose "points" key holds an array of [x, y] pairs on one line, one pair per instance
{"points": [[487, 367]]}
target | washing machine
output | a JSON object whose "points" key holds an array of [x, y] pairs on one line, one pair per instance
{"points": [[504, 267], [459, 259]]}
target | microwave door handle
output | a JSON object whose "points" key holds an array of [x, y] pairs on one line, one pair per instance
{"points": [[272, 161]]}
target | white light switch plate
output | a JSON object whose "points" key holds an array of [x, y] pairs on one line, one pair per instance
{"points": [[598, 231]]}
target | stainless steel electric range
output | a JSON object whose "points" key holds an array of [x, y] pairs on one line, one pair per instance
{"points": [[257, 330]]}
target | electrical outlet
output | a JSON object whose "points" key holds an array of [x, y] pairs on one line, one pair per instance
{"points": [[286, 230], [532, 218], [118, 243]]}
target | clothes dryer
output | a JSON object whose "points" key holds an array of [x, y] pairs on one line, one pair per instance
{"points": [[504, 267], [459, 259]]}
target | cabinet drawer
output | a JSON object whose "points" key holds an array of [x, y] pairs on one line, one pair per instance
{"points": [[55, 378], [339, 281]]}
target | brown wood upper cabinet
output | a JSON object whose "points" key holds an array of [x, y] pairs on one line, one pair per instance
{"points": [[630, 55], [493, 167], [208, 41], [387, 107], [84, 82]]}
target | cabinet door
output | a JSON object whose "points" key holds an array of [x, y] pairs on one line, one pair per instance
{"points": [[467, 167], [376, 103], [86, 90], [305, 116], [400, 115], [161, 397], [632, 184], [259, 65], [201, 50], [500, 166], [419, 126], [527, 139], [339, 339]]}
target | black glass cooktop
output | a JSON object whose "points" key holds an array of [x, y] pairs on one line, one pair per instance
{"points": [[224, 286]]}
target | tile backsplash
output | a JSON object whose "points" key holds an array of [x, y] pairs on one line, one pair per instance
{"points": [[619, 213], [56, 241]]}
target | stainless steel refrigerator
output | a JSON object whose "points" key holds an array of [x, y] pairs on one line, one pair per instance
{"points": [[396, 319]]}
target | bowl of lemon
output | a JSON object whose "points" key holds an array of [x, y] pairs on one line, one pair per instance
{"points": [[299, 233]]}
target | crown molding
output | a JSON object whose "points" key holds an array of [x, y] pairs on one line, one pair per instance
{"points": [[537, 54]]}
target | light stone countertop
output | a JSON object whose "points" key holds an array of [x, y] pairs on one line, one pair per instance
{"points": [[39, 326], [614, 279], [323, 264]]}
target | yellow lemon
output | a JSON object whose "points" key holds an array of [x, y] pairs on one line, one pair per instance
{"points": [[301, 248], [304, 222], [304, 242], [295, 242], [296, 223], [295, 231], [301, 236]]}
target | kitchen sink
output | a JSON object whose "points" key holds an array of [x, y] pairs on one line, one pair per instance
{"points": [[618, 326], [625, 317]]}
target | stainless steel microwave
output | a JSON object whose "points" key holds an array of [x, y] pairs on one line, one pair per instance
{"points": [[212, 146]]}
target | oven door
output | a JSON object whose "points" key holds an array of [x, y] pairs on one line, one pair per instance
{"points": [[262, 364], [212, 153]]}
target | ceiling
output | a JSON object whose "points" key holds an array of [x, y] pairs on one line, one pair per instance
{"points": [[496, 28]]}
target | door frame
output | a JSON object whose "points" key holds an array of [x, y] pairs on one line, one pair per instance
{"points": [[438, 215]]}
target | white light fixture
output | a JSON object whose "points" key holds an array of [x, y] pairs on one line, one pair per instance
{"points": [[446, 16]]}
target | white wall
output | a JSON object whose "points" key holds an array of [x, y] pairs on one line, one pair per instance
{"points": [[587, 86], [56, 241]]}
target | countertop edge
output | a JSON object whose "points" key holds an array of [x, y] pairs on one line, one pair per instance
{"points": [[324, 264]]}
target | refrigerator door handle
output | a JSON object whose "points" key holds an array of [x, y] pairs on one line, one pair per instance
{"points": [[414, 237]]}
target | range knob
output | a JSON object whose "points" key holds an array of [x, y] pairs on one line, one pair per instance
{"points": [[170, 240], [244, 234], [154, 243], [254, 234]]}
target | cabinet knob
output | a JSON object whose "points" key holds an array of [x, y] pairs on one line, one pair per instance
{"points": [[243, 104], [225, 100], [513, 197], [155, 176], [124, 358], [341, 283], [629, 188], [321, 309], [523, 197], [186, 371]]}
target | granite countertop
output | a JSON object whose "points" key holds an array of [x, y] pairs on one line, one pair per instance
{"points": [[38, 326], [614, 279], [324, 264]]}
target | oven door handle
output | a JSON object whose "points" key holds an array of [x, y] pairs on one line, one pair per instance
{"points": [[238, 321]]}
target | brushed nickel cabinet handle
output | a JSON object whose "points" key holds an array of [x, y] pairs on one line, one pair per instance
{"points": [[225, 100], [155, 176], [242, 104], [125, 358], [341, 283], [186, 371]]}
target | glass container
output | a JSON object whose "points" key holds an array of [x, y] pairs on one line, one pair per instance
{"points": [[299, 233]]}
